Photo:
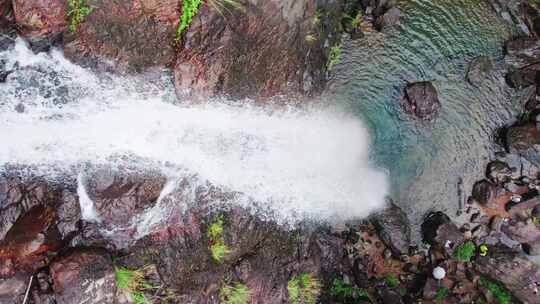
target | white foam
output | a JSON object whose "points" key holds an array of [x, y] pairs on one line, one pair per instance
{"points": [[88, 209], [310, 162]]}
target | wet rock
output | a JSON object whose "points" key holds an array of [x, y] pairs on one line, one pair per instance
{"points": [[40, 18], [44, 44], [388, 295], [390, 18], [420, 99], [118, 197], [272, 48], [84, 276], [523, 232], [479, 69], [522, 57], [12, 289], [531, 17], [437, 229], [524, 140], [511, 268], [394, 230], [484, 193], [498, 172], [137, 35], [496, 223]]}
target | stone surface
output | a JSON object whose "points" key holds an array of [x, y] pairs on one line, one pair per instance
{"points": [[84, 276], [393, 228], [39, 18], [420, 99], [513, 269], [271, 48]]}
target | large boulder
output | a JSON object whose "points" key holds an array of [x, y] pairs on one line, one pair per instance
{"points": [[258, 49], [439, 230], [394, 229], [84, 276], [513, 269], [12, 290], [420, 99], [38, 18], [530, 13], [522, 58]]}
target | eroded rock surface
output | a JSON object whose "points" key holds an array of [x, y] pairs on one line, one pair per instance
{"points": [[421, 100]]}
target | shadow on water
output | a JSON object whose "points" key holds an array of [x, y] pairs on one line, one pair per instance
{"points": [[435, 41]]}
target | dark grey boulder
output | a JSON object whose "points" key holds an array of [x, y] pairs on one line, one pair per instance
{"points": [[421, 100], [393, 228]]}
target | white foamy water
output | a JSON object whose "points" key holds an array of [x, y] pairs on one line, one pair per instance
{"points": [[304, 162]]}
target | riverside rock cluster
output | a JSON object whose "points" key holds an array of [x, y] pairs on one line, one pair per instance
{"points": [[55, 248]]}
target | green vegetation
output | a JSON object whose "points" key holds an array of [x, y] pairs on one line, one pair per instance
{"points": [[77, 11], [499, 292], [190, 8], [341, 289], [215, 234], [310, 38], [133, 282], [351, 21], [393, 282], [465, 252], [335, 52], [304, 289], [237, 294], [442, 293]]}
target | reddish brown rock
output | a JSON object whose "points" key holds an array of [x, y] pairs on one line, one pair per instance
{"points": [[263, 49], [135, 34], [84, 276], [421, 100], [41, 17]]}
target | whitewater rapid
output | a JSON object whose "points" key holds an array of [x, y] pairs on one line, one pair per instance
{"points": [[57, 115]]}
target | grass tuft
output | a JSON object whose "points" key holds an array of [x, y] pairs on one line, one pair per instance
{"points": [[133, 282], [304, 289], [333, 56], [218, 247], [442, 293], [77, 11]]}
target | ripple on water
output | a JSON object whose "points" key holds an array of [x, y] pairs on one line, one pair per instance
{"points": [[435, 42]]}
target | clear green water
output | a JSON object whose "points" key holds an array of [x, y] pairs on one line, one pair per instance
{"points": [[436, 41]]}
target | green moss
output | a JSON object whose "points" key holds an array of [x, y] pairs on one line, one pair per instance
{"points": [[465, 252], [237, 294], [217, 243], [304, 289], [442, 293], [77, 12], [310, 38], [133, 282], [333, 56], [502, 296]]}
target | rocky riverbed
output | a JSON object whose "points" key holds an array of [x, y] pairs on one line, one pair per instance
{"points": [[123, 235]]}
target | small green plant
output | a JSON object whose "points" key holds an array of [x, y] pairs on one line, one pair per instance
{"points": [[304, 289], [237, 294], [77, 11], [343, 290], [499, 292], [351, 21], [317, 18], [465, 252], [393, 282], [333, 56], [217, 243], [442, 293], [133, 282], [190, 8]]}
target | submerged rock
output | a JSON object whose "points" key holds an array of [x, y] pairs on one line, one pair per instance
{"points": [[479, 69], [390, 18], [420, 99]]}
